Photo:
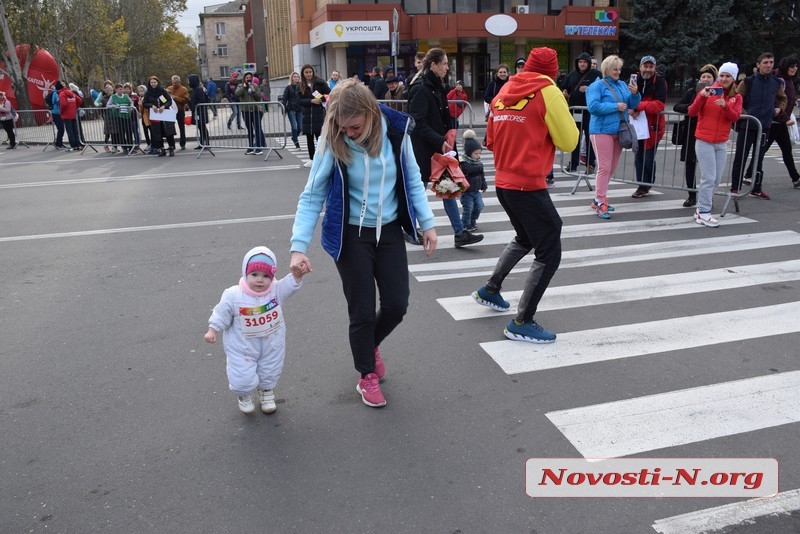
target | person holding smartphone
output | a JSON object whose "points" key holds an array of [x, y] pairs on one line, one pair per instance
{"points": [[708, 73], [716, 107], [653, 89]]}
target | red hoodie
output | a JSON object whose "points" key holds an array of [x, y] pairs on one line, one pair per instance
{"points": [[714, 123], [69, 103], [529, 118]]}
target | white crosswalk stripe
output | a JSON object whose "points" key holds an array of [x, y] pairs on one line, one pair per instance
{"points": [[659, 230], [631, 426]]}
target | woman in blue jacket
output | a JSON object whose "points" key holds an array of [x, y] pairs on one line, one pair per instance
{"points": [[366, 177], [608, 99]]}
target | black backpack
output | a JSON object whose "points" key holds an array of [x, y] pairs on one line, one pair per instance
{"points": [[48, 100]]}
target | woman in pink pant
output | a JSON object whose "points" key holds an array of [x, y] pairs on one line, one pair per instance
{"points": [[608, 99]]}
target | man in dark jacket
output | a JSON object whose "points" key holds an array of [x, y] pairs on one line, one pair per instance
{"points": [[574, 89], [653, 89], [763, 98], [380, 88], [199, 113]]}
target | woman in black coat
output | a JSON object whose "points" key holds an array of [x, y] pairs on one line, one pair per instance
{"points": [[156, 98], [427, 104], [312, 106], [708, 73]]}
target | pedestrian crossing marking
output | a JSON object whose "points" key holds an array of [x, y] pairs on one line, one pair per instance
{"points": [[596, 230], [645, 338], [582, 210], [586, 196], [633, 426], [649, 287], [727, 515], [448, 270]]}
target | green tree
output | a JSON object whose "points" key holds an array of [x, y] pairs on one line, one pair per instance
{"points": [[20, 21], [683, 35]]}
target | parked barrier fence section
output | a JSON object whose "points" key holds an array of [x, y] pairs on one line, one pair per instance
{"points": [[111, 129], [32, 128], [263, 127], [669, 169]]}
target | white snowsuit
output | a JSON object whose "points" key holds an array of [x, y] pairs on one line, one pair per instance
{"points": [[257, 361]]}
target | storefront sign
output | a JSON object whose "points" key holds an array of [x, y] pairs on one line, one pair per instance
{"points": [[604, 31], [349, 32]]}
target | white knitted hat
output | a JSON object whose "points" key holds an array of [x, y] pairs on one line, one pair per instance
{"points": [[730, 68]]}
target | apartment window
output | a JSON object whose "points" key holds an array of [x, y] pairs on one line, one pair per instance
{"points": [[416, 7], [490, 6], [222, 50], [441, 6], [219, 28], [224, 72]]}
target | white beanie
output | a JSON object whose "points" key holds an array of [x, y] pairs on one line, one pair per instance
{"points": [[730, 68]]}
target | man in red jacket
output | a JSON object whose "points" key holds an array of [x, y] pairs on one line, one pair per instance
{"points": [[529, 119], [70, 102], [653, 89]]}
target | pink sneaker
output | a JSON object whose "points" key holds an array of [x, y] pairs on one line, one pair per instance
{"points": [[380, 369], [370, 391]]}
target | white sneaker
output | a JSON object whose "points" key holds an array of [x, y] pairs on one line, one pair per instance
{"points": [[705, 219], [308, 164], [246, 404], [268, 401]]}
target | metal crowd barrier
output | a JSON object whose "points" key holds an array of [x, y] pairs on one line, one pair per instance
{"points": [[111, 129], [33, 128], [668, 169], [264, 128]]}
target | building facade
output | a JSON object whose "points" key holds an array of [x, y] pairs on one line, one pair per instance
{"points": [[353, 37], [222, 46]]}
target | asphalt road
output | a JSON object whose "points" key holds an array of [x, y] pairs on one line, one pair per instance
{"points": [[115, 415]]}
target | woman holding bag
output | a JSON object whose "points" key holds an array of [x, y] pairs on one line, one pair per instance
{"points": [[427, 103], [606, 98]]}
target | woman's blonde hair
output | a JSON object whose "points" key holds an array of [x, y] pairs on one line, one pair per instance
{"points": [[351, 98], [609, 63]]}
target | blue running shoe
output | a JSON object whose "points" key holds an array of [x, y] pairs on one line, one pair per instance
{"points": [[595, 205], [493, 300], [531, 332]]}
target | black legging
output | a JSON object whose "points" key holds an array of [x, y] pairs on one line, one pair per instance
{"points": [[310, 141]]}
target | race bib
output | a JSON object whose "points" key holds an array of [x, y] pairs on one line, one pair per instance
{"points": [[260, 321]]}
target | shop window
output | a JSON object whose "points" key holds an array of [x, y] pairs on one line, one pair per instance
{"points": [[490, 6], [416, 7], [441, 6], [466, 6], [557, 5], [582, 3]]}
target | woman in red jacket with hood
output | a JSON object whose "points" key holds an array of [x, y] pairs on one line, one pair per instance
{"points": [[70, 102]]}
